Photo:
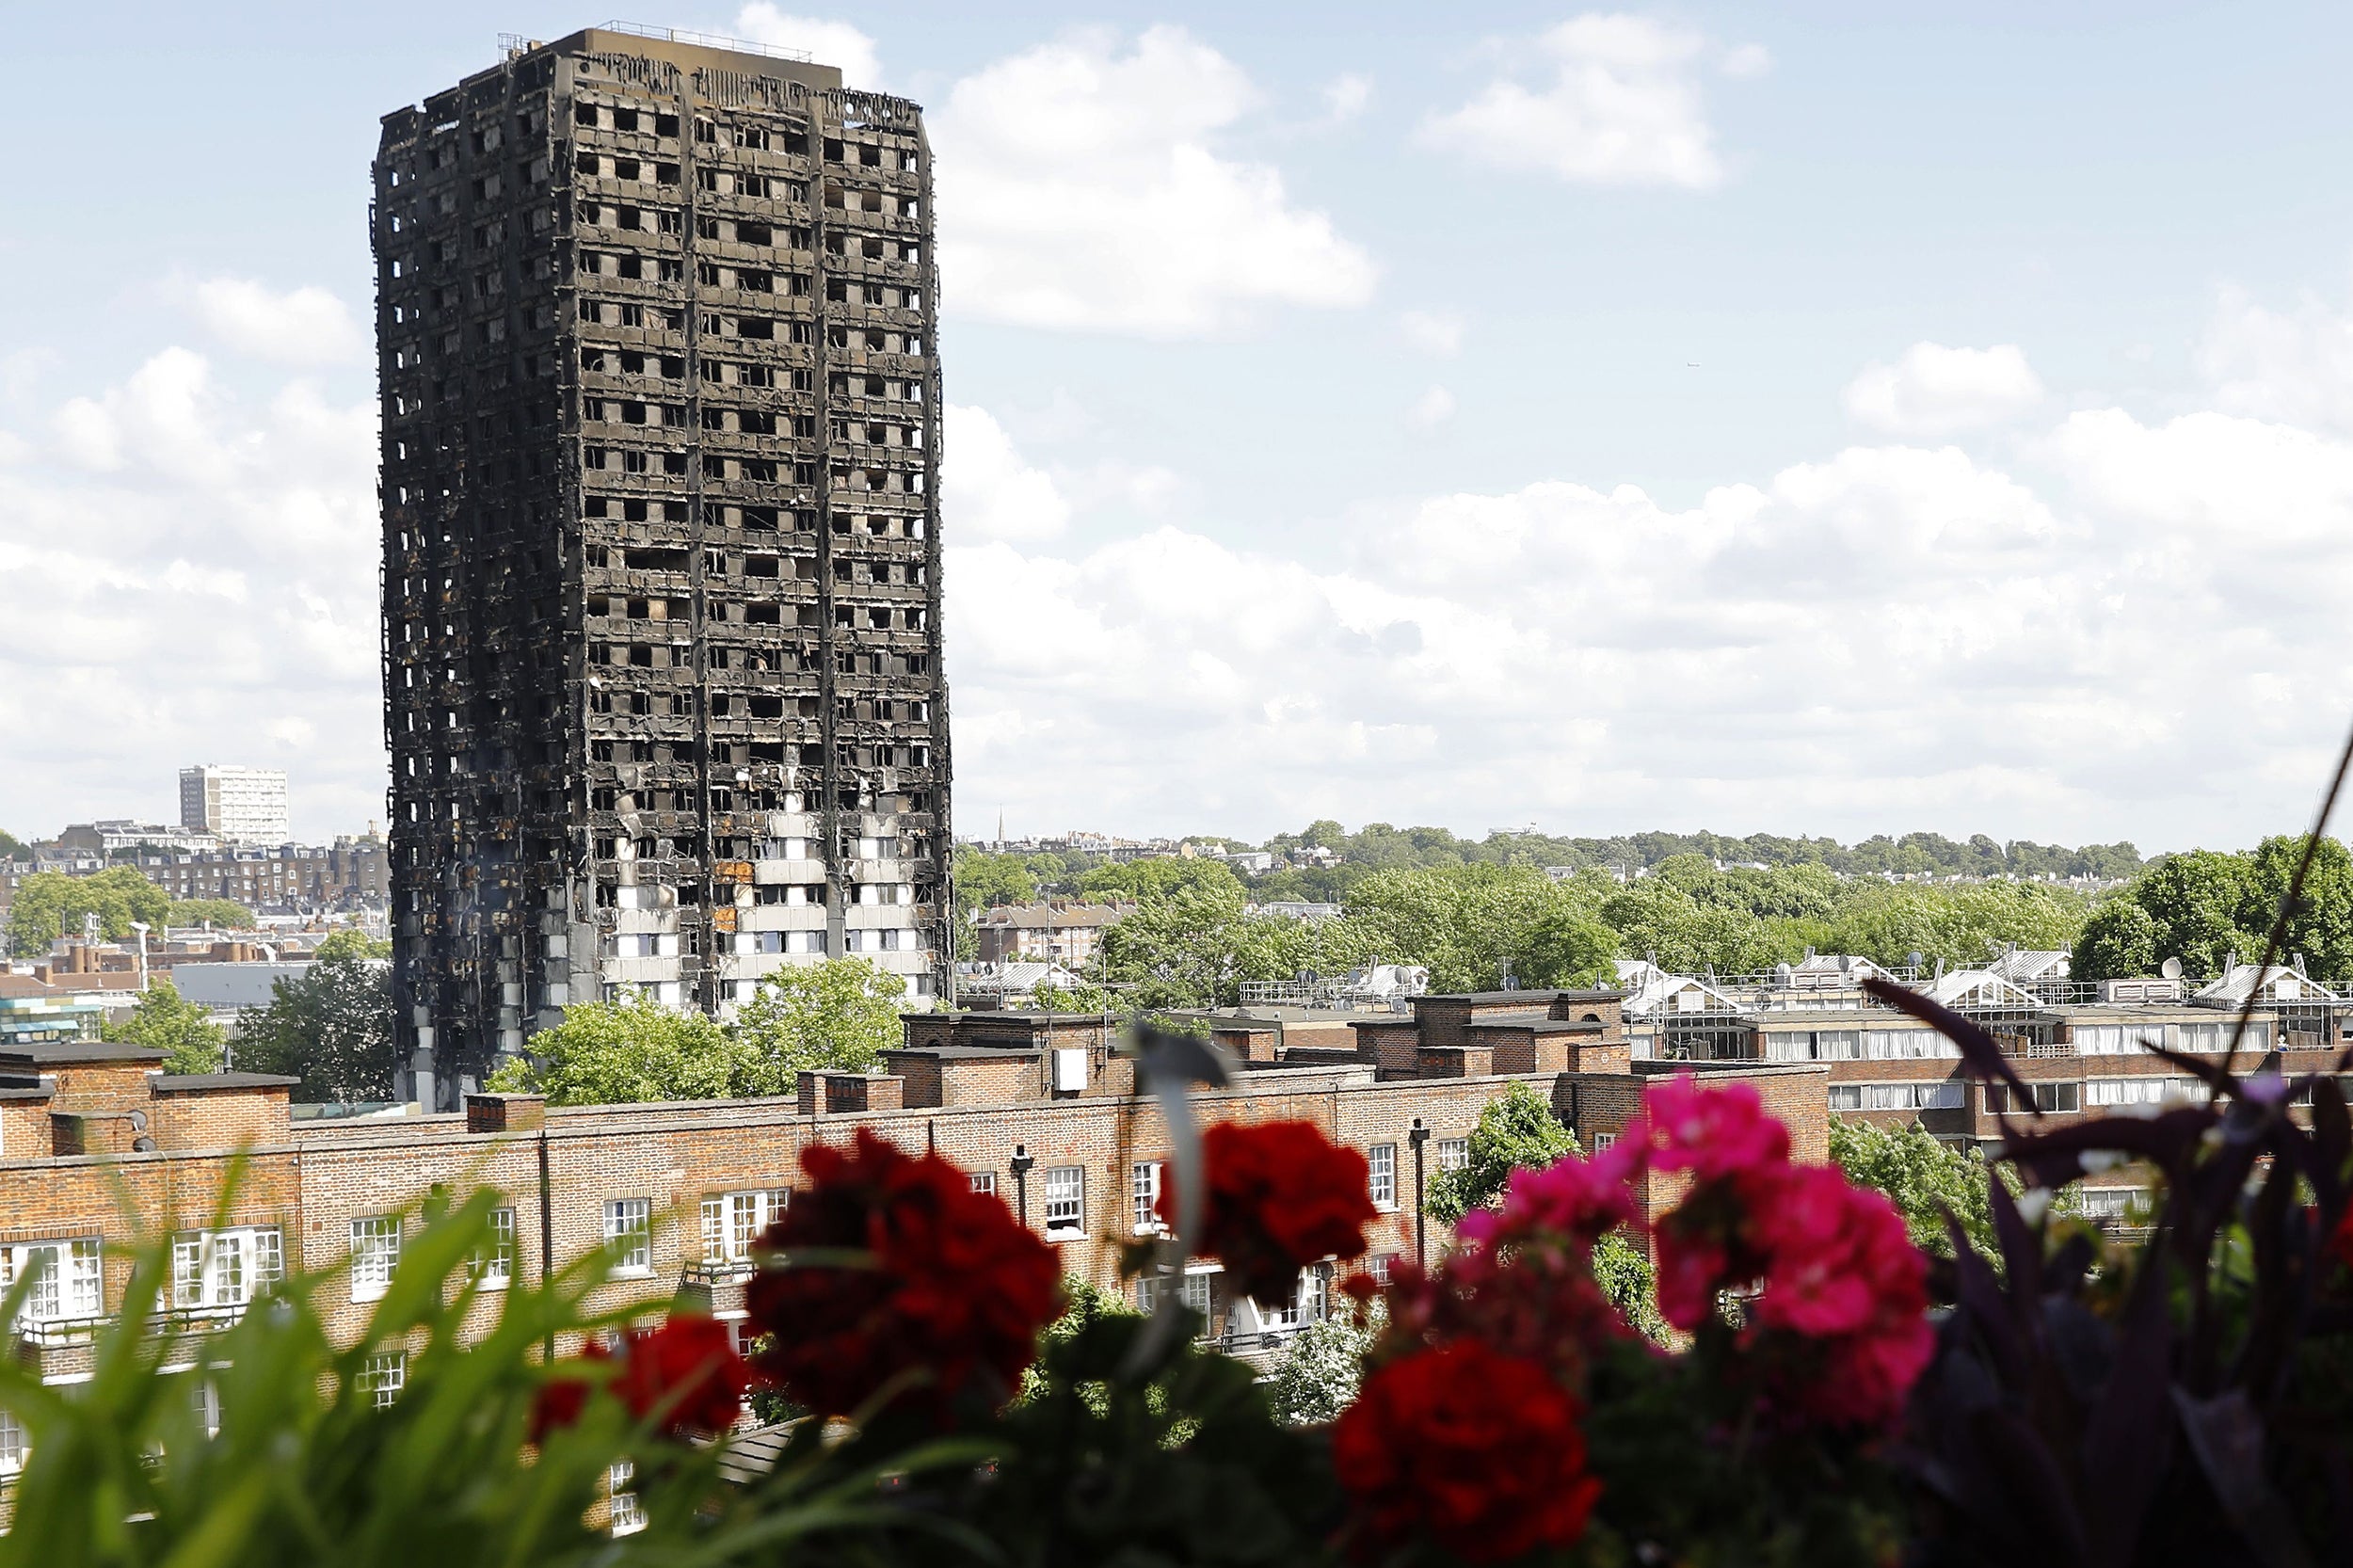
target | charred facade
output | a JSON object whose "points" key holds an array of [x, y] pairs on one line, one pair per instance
{"points": [[662, 615]]}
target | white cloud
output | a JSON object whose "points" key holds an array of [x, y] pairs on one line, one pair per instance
{"points": [[1887, 635], [1603, 99], [1433, 408], [1745, 61], [1081, 187], [2294, 365], [824, 42], [1435, 331], [191, 575], [299, 327], [1345, 97], [987, 492], [1935, 391]]}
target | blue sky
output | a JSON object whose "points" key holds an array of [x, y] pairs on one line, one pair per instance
{"points": [[1826, 418]]}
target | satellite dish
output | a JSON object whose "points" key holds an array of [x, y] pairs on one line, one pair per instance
{"points": [[2171, 968]]}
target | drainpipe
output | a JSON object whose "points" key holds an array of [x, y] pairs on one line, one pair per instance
{"points": [[1022, 1163], [1417, 1135]]}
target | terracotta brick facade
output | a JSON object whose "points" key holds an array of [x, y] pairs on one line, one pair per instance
{"points": [[983, 1090]]}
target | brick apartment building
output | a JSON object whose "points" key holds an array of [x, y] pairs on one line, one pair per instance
{"points": [[2078, 1045], [350, 873], [1052, 932], [1039, 1108]]}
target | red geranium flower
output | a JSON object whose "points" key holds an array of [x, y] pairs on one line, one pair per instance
{"points": [[955, 1288], [1281, 1195], [1479, 1453], [687, 1372]]}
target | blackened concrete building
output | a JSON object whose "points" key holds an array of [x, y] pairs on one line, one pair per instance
{"points": [[661, 612]]}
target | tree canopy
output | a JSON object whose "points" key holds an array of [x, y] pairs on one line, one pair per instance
{"points": [[1518, 1130], [1922, 1177], [162, 1021], [226, 913], [625, 1051], [833, 1017], [2204, 906], [50, 904], [332, 1025]]}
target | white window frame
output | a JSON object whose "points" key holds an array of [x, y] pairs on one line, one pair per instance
{"points": [[1453, 1154], [1193, 1289], [222, 1270], [1310, 1299], [1381, 1175], [383, 1377], [984, 1181], [204, 1396], [1143, 1196], [374, 1255], [13, 1446], [734, 1222], [1064, 1190], [628, 1236], [72, 1286], [493, 1267], [624, 1512]]}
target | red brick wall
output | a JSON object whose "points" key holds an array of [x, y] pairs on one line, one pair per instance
{"points": [[220, 1118]]}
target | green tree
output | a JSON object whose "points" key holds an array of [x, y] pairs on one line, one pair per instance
{"points": [[1195, 947], [13, 848], [1463, 922], [1143, 881], [1922, 1177], [331, 1026], [225, 913], [162, 1021], [2321, 926], [350, 942], [1516, 1131], [1080, 999], [624, 1052], [984, 880], [1319, 1374], [838, 1016], [1964, 926], [2120, 939], [1566, 945], [50, 904], [2201, 907]]}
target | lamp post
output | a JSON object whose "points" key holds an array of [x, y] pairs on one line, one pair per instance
{"points": [[1417, 1135], [1021, 1165]]}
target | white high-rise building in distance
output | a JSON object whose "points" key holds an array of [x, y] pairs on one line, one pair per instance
{"points": [[241, 805]]}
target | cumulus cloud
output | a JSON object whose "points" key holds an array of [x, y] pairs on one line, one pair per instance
{"points": [[826, 42], [298, 326], [2294, 365], [192, 575], [1936, 391], [1433, 408], [1345, 97], [1887, 635], [1603, 99], [987, 492], [1083, 187], [1434, 331]]}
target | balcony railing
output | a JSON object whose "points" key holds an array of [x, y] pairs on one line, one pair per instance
{"points": [[719, 1271], [49, 1332]]}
